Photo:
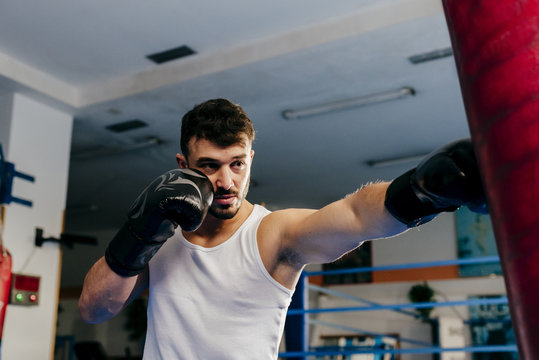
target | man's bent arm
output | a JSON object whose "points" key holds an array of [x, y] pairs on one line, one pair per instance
{"points": [[105, 293], [178, 197]]}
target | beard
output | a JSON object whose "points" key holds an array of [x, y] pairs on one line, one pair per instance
{"points": [[225, 212]]}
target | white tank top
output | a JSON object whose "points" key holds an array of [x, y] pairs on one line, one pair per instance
{"points": [[215, 303]]}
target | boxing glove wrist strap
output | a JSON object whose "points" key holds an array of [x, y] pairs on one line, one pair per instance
{"points": [[128, 254], [410, 208]]}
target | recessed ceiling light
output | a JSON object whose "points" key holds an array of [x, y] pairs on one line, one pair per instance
{"points": [[127, 125], [171, 54], [114, 111]]}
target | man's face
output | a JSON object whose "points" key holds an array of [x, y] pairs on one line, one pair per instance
{"points": [[228, 168]]}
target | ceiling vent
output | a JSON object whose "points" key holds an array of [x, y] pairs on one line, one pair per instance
{"points": [[127, 125], [171, 54], [431, 55]]}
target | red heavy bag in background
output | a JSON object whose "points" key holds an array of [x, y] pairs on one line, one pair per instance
{"points": [[496, 47], [5, 284], [5, 274]]}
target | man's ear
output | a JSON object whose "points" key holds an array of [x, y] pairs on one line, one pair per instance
{"points": [[182, 161]]}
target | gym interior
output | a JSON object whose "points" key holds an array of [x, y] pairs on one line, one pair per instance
{"points": [[341, 94]]}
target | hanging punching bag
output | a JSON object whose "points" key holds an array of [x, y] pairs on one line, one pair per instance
{"points": [[496, 47], [5, 275], [5, 284]]}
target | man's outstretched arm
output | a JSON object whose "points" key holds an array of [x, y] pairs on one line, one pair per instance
{"points": [[445, 180]]}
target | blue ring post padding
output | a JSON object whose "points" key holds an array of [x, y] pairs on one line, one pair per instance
{"points": [[496, 301], [480, 260], [431, 350], [296, 328]]}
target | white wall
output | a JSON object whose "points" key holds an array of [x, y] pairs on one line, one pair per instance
{"points": [[436, 240], [39, 144], [6, 107]]}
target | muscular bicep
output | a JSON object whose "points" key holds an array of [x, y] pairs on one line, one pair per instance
{"points": [[324, 235], [321, 236]]}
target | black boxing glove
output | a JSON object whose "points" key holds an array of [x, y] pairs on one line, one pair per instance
{"points": [[445, 180], [178, 197]]}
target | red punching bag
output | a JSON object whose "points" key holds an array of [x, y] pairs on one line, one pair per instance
{"points": [[496, 47], [5, 275], [5, 284]]}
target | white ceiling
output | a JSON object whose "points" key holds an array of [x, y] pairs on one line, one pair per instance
{"points": [[88, 59]]}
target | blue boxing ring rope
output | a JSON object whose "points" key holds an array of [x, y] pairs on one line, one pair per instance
{"points": [[431, 350], [478, 260], [296, 330], [497, 301]]}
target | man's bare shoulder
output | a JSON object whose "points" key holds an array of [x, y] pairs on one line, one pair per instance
{"points": [[281, 222], [280, 259]]}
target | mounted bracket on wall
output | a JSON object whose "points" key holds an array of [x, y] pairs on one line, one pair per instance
{"points": [[65, 239], [7, 174]]}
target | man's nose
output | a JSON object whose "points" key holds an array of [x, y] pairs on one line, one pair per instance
{"points": [[224, 179]]}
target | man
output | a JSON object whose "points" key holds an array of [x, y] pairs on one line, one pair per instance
{"points": [[222, 280]]}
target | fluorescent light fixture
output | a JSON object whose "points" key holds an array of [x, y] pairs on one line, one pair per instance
{"points": [[396, 161], [349, 103], [109, 151], [431, 55], [126, 125]]}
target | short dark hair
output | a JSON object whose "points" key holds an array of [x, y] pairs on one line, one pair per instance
{"points": [[216, 120]]}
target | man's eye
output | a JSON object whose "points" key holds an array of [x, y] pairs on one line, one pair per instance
{"points": [[238, 164], [208, 167]]}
